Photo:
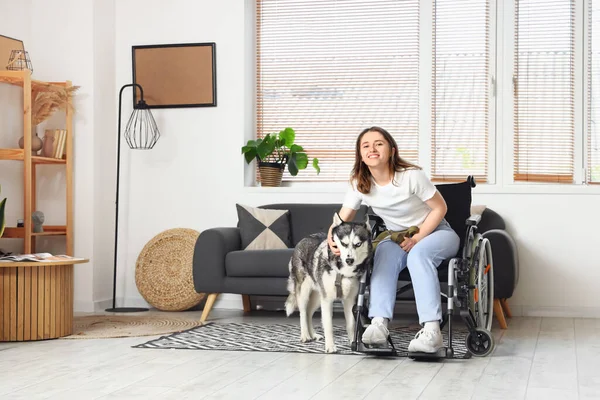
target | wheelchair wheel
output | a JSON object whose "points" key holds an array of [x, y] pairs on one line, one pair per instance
{"points": [[480, 342], [483, 294]]}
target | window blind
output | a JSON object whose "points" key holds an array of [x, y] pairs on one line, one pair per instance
{"points": [[461, 82], [329, 69], [544, 90], [593, 93]]}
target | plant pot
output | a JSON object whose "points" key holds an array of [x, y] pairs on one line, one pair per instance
{"points": [[270, 174]]}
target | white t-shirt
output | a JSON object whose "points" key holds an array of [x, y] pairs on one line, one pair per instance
{"points": [[400, 203]]}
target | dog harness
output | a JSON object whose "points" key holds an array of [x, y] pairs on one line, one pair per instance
{"points": [[338, 285], [395, 236]]}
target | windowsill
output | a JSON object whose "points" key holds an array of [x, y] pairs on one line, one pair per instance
{"points": [[516, 188]]}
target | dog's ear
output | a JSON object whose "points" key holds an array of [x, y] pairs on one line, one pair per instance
{"points": [[337, 220], [367, 223]]}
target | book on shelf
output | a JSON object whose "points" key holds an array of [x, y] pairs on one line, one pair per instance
{"points": [[59, 144], [38, 257]]}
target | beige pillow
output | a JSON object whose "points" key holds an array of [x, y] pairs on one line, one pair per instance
{"points": [[263, 229]]}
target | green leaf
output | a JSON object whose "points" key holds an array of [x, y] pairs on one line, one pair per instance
{"points": [[292, 166], [288, 135], [315, 164], [295, 148], [250, 155], [266, 147], [301, 160]]}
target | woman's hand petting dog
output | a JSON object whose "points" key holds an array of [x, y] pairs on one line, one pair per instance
{"points": [[332, 244], [408, 243]]}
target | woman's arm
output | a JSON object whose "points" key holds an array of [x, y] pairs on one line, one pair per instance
{"points": [[346, 214], [438, 211]]}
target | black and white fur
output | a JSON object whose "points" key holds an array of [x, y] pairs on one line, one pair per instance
{"points": [[313, 270]]}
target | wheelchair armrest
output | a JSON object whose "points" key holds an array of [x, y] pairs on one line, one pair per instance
{"points": [[376, 218], [473, 219], [377, 224]]}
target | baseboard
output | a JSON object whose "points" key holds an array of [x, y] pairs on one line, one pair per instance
{"points": [[228, 301], [101, 305], [556, 312]]}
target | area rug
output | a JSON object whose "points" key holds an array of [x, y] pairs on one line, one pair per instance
{"points": [[117, 326], [237, 336]]}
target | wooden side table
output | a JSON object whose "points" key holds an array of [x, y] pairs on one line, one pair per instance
{"points": [[36, 300]]}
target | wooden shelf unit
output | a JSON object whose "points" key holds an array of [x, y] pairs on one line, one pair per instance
{"points": [[31, 161]]}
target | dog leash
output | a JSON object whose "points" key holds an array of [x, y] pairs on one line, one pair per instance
{"points": [[395, 236]]}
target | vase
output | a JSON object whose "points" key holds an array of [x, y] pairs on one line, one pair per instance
{"points": [[36, 142], [48, 148]]}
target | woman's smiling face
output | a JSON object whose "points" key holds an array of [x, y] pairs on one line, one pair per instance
{"points": [[374, 149]]}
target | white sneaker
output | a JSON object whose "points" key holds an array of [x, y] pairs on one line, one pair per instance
{"points": [[376, 333], [426, 341]]}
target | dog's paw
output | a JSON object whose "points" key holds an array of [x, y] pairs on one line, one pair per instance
{"points": [[330, 349], [317, 337], [305, 338]]}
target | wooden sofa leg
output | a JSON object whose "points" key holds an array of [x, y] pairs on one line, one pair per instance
{"points": [[210, 302], [505, 308], [246, 301], [499, 314]]}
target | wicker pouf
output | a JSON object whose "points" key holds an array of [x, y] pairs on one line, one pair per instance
{"points": [[163, 272]]}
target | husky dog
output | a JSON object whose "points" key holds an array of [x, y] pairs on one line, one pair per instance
{"points": [[318, 277]]}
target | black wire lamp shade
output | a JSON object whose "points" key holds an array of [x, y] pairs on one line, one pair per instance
{"points": [[19, 61], [141, 133]]}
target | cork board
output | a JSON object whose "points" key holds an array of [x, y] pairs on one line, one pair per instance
{"points": [[175, 75], [7, 44]]}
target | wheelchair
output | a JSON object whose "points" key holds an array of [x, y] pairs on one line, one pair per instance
{"points": [[469, 278]]}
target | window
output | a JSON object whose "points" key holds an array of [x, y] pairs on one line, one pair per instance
{"points": [[544, 91], [461, 90], [466, 87], [329, 69]]}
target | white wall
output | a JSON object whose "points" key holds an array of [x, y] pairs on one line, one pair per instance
{"points": [[195, 174]]}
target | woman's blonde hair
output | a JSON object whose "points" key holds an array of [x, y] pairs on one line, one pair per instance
{"points": [[361, 173]]}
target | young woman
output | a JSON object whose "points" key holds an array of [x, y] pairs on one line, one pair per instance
{"points": [[402, 195]]}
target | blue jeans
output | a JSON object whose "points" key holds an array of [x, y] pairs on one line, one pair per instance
{"points": [[422, 261]]}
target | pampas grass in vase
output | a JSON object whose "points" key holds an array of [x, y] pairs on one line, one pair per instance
{"points": [[46, 99]]}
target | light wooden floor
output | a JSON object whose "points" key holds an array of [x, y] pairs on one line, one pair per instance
{"points": [[536, 358]]}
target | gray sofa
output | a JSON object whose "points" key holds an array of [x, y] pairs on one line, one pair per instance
{"points": [[220, 266]]}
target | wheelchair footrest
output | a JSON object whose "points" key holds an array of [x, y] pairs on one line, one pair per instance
{"points": [[418, 355], [383, 350]]}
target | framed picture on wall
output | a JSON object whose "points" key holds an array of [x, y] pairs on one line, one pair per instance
{"points": [[176, 75]]}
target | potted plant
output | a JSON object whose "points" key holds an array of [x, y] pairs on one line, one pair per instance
{"points": [[274, 152], [2, 220]]}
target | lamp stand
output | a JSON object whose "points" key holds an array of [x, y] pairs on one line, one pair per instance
{"points": [[114, 308]]}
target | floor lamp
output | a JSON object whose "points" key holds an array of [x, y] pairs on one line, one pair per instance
{"points": [[141, 132]]}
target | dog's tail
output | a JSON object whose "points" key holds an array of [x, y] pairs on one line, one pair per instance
{"points": [[291, 303]]}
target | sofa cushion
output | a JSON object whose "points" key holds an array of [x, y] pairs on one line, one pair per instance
{"points": [[263, 229], [258, 263]]}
